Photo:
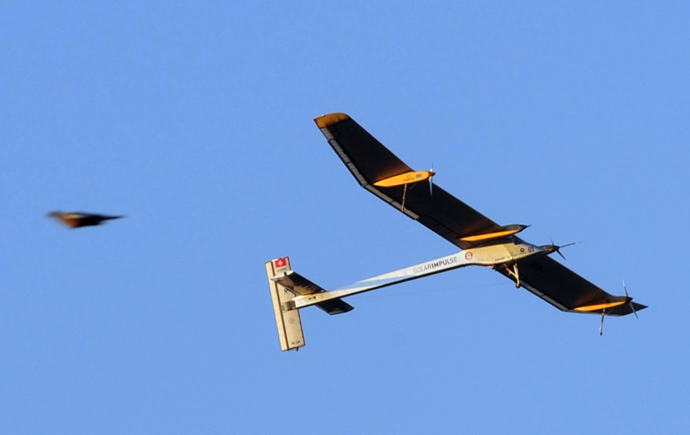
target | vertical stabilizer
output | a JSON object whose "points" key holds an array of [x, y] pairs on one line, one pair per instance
{"points": [[288, 320]]}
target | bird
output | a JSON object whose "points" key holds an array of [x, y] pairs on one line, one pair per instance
{"points": [[78, 219]]}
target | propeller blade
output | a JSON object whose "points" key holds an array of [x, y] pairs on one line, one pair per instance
{"points": [[632, 307], [558, 248]]}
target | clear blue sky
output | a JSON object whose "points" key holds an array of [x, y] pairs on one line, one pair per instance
{"points": [[196, 121]]}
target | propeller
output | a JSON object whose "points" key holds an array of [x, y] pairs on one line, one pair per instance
{"points": [[632, 307], [558, 248], [431, 178]]}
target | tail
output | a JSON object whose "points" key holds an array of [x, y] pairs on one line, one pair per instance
{"points": [[288, 320], [285, 284]]}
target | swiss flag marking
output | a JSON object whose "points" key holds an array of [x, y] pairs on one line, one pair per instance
{"points": [[281, 262]]}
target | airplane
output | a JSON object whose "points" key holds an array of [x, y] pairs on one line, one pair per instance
{"points": [[79, 219], [482, 243]]}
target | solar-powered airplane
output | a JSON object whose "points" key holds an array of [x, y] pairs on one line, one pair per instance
{"points": [[482, 242]]}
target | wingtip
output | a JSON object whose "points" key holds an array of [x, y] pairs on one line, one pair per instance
{"points": [[324, 121]]}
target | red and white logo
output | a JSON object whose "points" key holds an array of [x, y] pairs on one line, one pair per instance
{"points": [[469, 255], [281, 262]]}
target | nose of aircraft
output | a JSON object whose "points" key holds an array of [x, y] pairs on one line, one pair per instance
{"points": [[548, 249]]}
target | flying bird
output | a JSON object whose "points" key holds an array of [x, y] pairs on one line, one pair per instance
{"points": [[79, 219]]}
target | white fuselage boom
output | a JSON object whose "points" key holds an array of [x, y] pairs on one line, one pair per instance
{"points": [[494, 255]]}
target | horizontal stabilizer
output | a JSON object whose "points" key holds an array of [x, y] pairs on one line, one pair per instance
{"points": [[301, 286], [335, 306]]}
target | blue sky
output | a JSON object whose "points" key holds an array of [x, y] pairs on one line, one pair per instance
{"points": [[196, 122]]}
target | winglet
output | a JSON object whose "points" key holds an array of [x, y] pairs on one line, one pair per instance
{"points": [[330, 119]]}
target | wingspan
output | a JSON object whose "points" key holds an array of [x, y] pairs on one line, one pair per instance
{"points": [[370, 162]]}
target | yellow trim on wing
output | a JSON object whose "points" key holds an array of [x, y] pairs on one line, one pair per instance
{"points": [[488, 236], [598, 307], [406, 178], [330, 119]]}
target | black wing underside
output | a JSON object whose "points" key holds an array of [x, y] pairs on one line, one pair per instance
{"points": [[565, 289], [369, 161]]}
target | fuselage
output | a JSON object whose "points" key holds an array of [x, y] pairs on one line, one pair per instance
{"points": [[507, 254]]}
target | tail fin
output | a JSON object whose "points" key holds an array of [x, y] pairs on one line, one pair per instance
{"points": [[288, 320]]}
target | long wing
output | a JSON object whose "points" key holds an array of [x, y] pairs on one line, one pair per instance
{"points": [[369, 162], [568, 291]]}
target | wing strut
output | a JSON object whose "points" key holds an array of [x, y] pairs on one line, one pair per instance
{"points": [[402, 206], [515, 273]]}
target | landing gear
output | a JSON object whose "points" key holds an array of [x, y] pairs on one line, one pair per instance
{"points": [[515, 273], [402, 206], [601, 328]]}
